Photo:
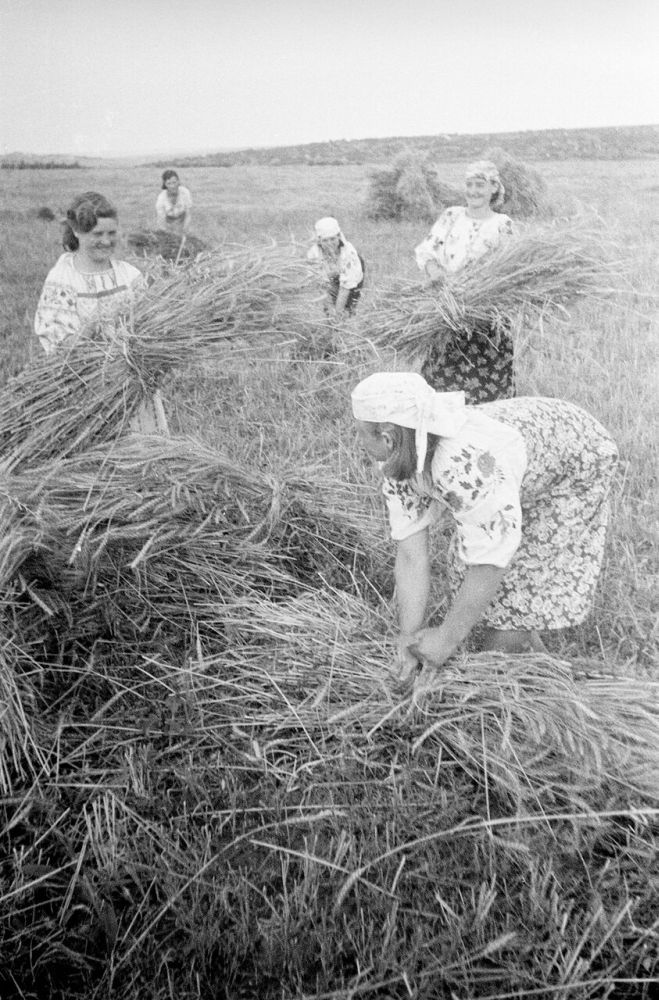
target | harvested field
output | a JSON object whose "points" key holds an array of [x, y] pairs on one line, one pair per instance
{"points": [[211, 785]]}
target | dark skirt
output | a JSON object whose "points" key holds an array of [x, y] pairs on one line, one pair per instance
{"points": [[354, 294], [482, 366]]}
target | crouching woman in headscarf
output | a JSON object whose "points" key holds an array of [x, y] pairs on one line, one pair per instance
{"points": [[342, 267], [526, 482]]}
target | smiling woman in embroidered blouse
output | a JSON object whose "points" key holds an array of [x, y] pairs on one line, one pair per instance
{"points": [[526, 483], [88, 285], [481, 364]]}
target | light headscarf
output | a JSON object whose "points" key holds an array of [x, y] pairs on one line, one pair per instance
{"points": [[327, 228], [406, 399], [489, 172]]}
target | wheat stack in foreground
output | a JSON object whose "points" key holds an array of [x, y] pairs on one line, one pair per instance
{"points": [[280, 812], [542, 270], [152, 541]]}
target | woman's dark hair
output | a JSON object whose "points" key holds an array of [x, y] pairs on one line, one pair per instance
{"points": [[402, 462], [82, 215], [166, 174]]}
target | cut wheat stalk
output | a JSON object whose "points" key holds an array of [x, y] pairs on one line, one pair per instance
{"points": [[541, 271], [90, 392]]}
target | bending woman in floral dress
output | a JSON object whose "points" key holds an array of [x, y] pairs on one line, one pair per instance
{"points": [[526, 482], [87, 285], [481, 364]]}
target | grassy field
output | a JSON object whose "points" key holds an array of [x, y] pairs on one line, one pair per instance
{"points": [[252, 811]]}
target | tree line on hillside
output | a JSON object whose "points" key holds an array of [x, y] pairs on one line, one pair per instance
{"points": [[38, 165], [615, 143]]}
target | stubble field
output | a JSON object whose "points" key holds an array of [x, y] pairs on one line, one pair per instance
{"points": [[231, 843]]}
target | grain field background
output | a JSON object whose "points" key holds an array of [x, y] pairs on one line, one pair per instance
{"points": [[262, 816]]}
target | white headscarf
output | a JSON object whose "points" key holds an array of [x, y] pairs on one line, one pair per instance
{"points": [[489, 172], [406, 399], [326, 228]]}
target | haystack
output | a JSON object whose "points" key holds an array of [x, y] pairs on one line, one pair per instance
{"points": [[409, 189], [526, 190], [541, 271], [154, 540], [413, 195], [161, 243]]}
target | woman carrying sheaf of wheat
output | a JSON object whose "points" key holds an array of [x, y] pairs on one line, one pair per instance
{"points": [[89, 287], [482, 363]]}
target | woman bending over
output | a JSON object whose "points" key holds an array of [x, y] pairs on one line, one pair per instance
{"points": [[526, 482]]}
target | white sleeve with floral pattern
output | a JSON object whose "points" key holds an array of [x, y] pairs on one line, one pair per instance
{"points": [[409, 511], [431, 248], [482, 493], [350, 267], [57, 316]]}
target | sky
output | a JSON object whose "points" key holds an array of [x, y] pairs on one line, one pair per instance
{"points": [[137, 77]]}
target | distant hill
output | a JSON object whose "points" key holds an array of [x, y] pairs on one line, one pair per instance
{"points": [[630, 142], [56, 161], [615, 143]]}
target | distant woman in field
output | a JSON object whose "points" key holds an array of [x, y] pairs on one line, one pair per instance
{"points": [[526, 483], [88, 285], [173, 205], [342, 267], [481, 364]]}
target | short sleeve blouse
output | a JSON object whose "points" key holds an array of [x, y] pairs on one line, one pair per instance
{"points": [[477, 475], [347, 266], [166, 209], [456, 239]]}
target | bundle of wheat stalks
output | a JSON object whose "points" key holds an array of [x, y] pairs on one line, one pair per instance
{"points": [[540, 730], [162, 243], [232, 292], [156, 537], [540, 271], [88, 393]]}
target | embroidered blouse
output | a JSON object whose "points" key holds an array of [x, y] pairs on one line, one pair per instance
{"points": [[477, 475], [70, 298], [456, 239], [346, 266]]}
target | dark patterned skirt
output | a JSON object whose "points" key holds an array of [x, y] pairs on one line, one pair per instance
{"points": [[354, 294], [482, 366]]}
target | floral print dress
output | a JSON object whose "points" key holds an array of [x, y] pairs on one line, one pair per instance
{"points": [[481, 364], [527, 482]]}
